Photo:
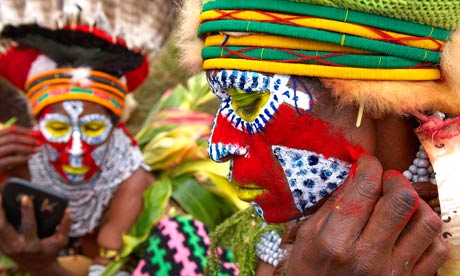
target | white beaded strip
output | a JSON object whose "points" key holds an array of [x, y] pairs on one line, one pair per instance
{"points": [[421, 169], [268, 248], [96, 270]]}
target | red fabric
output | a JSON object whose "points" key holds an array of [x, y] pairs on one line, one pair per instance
{"points": [[136, 77], [15, 64], [436, 127]]}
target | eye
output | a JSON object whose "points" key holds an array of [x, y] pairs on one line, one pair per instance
{"points": [[93, 129], [248, 105], [58, 129]]}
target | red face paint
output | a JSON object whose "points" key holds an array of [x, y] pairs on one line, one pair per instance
{"points": [[64, 159], [71, 166], [260, 167]]}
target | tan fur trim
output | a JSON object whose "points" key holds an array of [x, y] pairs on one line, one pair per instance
{"points": [[396, 97], [450, 61], [403, 97], [189, 44]]}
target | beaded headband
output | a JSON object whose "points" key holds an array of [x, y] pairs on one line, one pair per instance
{"points": [[64, 84], [312, 40]]}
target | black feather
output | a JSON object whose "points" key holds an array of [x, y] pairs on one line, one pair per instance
{"points": [[76, 48]]}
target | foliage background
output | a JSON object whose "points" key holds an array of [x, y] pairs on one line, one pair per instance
{"points": [[164, 74]]}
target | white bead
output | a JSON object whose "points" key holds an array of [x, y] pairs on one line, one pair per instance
{"points": [[423, 179], [276, 263], [413, 168], [430, 169], [439, 114], [407, 174], [423, 163], [422, 155], [415, 162], [415, 178], [433, 181], [422, 171]]}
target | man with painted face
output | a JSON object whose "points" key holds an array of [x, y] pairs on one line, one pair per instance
{"points": [[76, 78], [309, 90]]}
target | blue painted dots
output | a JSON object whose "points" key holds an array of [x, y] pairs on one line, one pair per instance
{"points": [[313, 160], [332, 186], [302, 172], [312, 199], [297, 193], [323, 193], [309, 183], [311, 177]]}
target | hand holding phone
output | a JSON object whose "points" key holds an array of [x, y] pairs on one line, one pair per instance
{"points": [[31, 253], [49, 207]]}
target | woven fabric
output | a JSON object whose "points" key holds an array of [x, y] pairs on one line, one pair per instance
{"points": [[179, 246], [438, 13]]}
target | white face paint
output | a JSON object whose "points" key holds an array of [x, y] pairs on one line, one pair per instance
{"points": [[250, 83], [58, 128], [76, 141]]}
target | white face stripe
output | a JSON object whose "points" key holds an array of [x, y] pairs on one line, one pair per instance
{"points": [[253, 82], [54, 117], [74, 109]]}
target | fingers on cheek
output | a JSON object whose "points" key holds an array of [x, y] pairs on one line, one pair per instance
{"points": [[430, 226], [401, 198], [432, 259]]}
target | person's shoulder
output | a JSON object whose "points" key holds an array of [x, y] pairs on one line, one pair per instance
{"points": [[139, 180]]}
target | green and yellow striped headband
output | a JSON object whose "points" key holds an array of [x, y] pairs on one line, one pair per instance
{"points": [[314, 39]]}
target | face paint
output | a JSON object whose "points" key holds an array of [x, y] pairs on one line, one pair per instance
{"points": [[283, 159], [76, 142]]}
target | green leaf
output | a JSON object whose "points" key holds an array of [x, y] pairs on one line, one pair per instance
{"points": [[202, 204], [6, 262], [204, 165], [155, 199], [226, 190]]}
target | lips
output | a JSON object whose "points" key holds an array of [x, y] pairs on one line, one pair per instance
{"points": [[249, 192], [75, 171]]}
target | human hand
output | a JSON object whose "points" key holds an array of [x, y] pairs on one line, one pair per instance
{"points": [[376, 224], [27, 250], [17, 144]]}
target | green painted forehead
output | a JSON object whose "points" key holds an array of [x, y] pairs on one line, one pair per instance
{"points": [[437, 13]]}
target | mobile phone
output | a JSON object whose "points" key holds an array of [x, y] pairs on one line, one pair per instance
{"points": [[49, 207]]}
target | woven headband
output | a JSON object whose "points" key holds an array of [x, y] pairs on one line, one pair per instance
{"points": [[312, 40], [60, 85]]}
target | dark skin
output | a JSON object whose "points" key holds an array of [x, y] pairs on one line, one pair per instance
{"points": [[39, 257], [376, 223], [16, 147]]}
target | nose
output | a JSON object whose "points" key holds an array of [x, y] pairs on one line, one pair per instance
{"points": [[225, 141], [76, 150]]}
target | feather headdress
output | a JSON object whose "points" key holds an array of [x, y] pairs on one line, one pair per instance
{"points": [[112, 39]]}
